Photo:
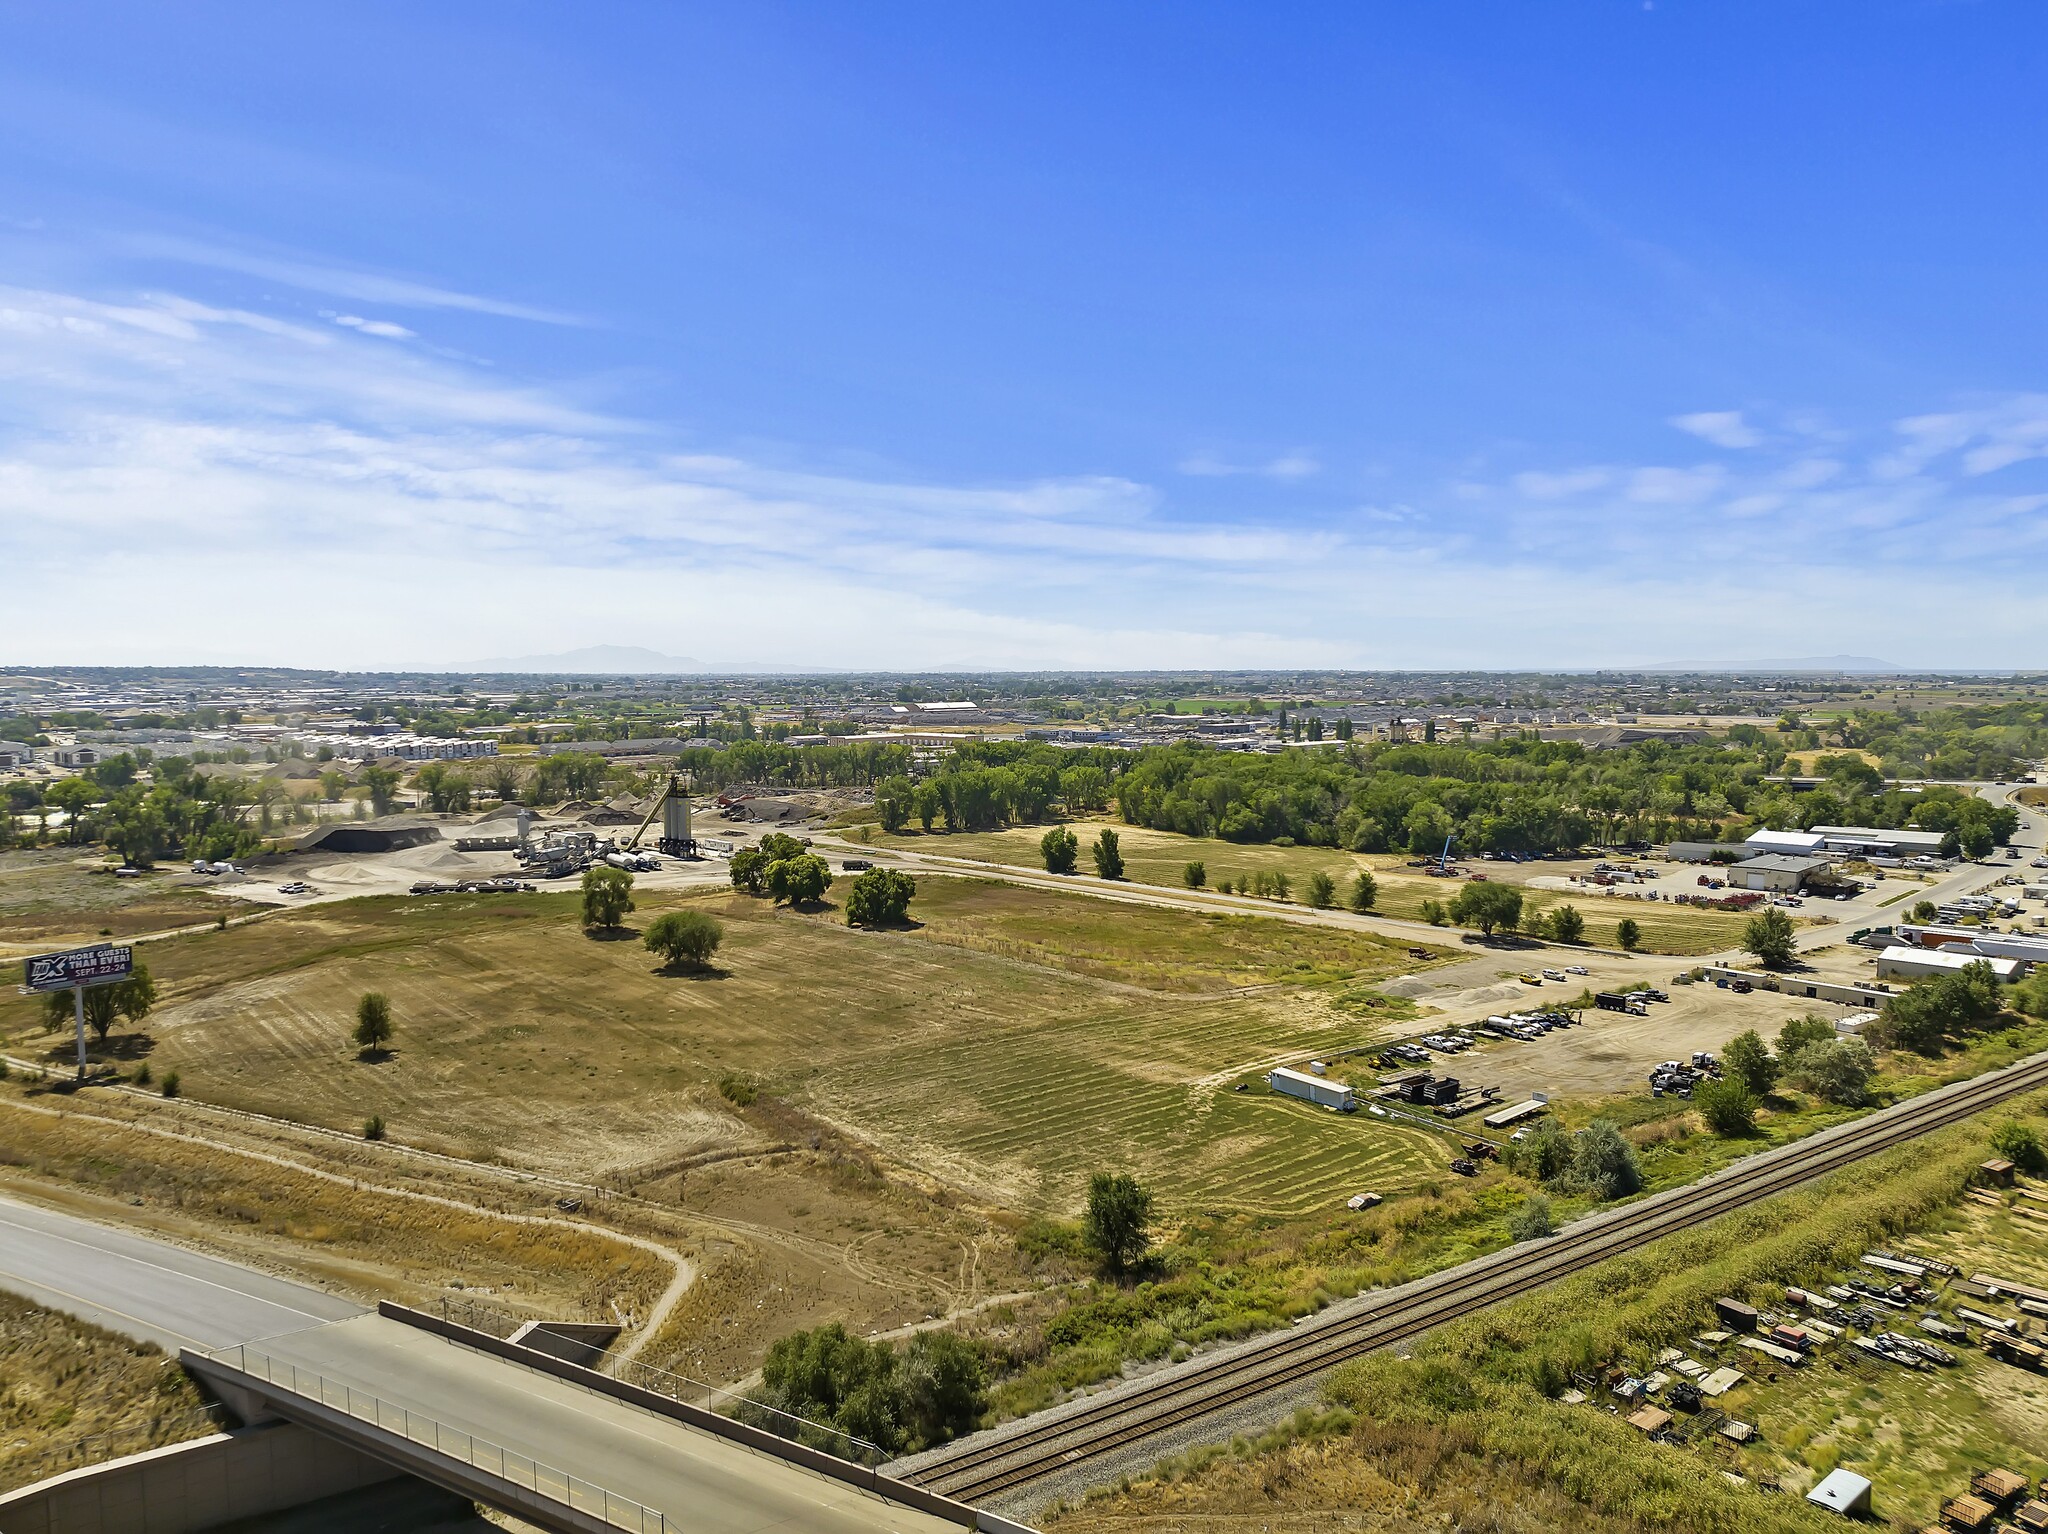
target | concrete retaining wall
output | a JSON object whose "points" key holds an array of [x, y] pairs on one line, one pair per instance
{"points": [[192, 1486]]}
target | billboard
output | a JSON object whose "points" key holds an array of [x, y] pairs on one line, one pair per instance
{"points": [[78, 966]]}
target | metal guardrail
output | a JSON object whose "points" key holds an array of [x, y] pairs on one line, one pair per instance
{"points": [[479, 1453]]}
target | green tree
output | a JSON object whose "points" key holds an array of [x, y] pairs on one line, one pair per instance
{"points": [[1544, 1155], [333, 785], [1365, 891], [1929, 1012], [1109, 860], [381, 783], [893, 802], [1566, 925], [74, 796], [1195, 875], [1628, 934], [1321, 891], [1489, 907], [1117, 1224], [2021, 1145], [1084, 789], [132, 998], [1061, 850], [1533, 1220], [1728, 1106], [1802, 1031], [880, 897], [778, 845], [1769, 936], [798, 881], [748, 870], [1426, 827], [1924, 911], [686, 939], [1603, 1162], [1747, 1059], [372, 1033], [1834, 1070], [607, 896], [1435, 913], [926, 803]]}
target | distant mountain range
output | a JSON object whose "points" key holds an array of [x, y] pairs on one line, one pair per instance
{"points": [[600, 660]]}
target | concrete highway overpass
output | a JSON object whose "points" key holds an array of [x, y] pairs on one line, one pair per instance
{"points": [[556, 1452]]}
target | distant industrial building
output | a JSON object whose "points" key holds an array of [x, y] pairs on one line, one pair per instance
{"points": [[1868, 841], [350, 837], [1776, 872], [1903, 963], [403, 746], [1797, 844]]}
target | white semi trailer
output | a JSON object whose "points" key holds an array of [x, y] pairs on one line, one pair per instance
{"points": [[1312, 1089]]}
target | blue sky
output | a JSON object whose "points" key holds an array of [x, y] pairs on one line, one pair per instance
{"points": [[1090, 335]]}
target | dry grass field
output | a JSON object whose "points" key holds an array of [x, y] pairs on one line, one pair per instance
{"points": [[1009, 1044], [49, 899], [1159, 857], [72, 1394]]}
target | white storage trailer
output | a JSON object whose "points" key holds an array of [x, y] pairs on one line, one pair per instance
{"points": [[1312, 1089]]}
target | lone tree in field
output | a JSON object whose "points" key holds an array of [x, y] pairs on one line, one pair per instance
{"points": [[372, 1036], [1195, 875], [879, 898], [1117, 1225], [131, 998], [1109, 860], [687, 939], [607, 896], [1628, 934], [1322, 890], [1567, 925], [1061, 850], [1488, 907], [1365, 891], [1768, 935]]}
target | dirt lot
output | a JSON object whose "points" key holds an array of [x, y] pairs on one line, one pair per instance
{"points": [[55, 897], [1609, 1051]]}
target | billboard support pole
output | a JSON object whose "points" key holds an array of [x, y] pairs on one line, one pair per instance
{"points": [[78, 1015]]}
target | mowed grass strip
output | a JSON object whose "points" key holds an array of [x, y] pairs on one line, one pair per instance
{"points": [[1161, 857], [1149, 946], [1135, 1090]]}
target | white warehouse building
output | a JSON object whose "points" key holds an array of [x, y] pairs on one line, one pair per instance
{"points": [[1918, 963]]}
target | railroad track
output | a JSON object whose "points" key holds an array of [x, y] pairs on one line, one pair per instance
{"points": [[975, 1472]]}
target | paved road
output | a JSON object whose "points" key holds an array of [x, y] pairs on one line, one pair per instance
{"points": [[149, 1289], [700, 1481]]}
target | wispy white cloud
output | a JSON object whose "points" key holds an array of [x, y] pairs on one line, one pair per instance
{"points": [[1288, 466], [341, 500], [340, 281], [1723, 428]]}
